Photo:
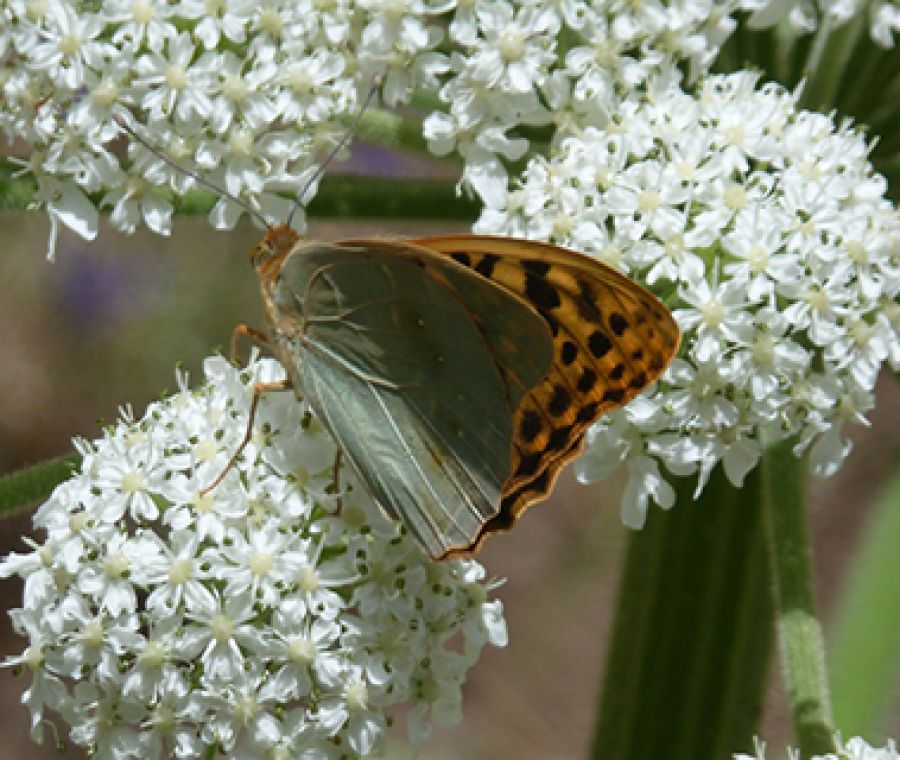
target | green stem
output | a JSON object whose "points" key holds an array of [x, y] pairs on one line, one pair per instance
{"points": [[349, 197], [31, 484], [827, 62], [687, 666], [391, 130], [814, 62], [784, 42], [340, 196], [799, 631]]}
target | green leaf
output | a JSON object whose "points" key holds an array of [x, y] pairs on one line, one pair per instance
{"points": [[693, 636], [30, 484], [866, 630]]}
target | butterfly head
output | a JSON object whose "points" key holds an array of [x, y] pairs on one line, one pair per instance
{"points": [[276, 244]]}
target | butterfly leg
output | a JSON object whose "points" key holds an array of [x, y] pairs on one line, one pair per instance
{"points": [[258, 390], [336, 482], [246, 331]]}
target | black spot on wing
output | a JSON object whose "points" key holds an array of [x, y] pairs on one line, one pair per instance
{"points": [[528, 464], [540, 292], [586, 303], [530, 426], [569, 352], [560, 400], [599, 344], [615, 395], [486, 266], [587, 381], [638, 381], [533, 266], [618, 323], [560, 438], [463, 258], [587, 413]]}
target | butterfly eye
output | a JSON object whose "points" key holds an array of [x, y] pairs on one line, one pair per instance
{"points": [[260, 254]]}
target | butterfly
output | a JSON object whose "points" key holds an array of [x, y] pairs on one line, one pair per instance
{"points": [[458, 374]]}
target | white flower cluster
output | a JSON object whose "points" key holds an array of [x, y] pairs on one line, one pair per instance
{"points": [[766, 231], [254, 620], [855, 749], [249, 94], [808, 16]]}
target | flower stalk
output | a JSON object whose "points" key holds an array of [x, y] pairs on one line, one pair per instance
{"points": [[801, 641]]}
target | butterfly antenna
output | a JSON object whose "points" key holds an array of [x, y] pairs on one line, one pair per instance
{"points": [[376, 83], [192, 174]]}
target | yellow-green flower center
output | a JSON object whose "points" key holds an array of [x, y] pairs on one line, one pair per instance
{"points": [[180, 571], [176, 76], [648, 200], [132, 482], [69, 44], [115, 566], [308, 579], [154, 653], [735, 196], [235, 88], [105, 93], [142, 11], [301, 650], [222, 627], [260, 563], [512, 45]]}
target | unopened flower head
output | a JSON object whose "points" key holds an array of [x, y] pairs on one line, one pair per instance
{"points": [[257, 618], [766, 231]]}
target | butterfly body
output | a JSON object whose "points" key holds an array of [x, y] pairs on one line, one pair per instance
{"points": [[458, 374]]}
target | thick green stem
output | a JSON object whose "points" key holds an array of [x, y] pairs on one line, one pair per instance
{"points": [[799, 631], [687, 668]]}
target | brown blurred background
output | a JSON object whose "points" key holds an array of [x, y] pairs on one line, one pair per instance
{"points": [[106, 324]]}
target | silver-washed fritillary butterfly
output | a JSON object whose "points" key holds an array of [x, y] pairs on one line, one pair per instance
{"points": [[458, 374]]}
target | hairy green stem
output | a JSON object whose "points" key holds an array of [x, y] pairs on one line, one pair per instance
{"points": [[800, 636]]}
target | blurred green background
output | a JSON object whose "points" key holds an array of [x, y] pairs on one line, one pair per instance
{"points": [[106, 324]]}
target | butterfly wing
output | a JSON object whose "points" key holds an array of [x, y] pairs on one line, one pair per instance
{"points": [[611, 339], [381, 341]]}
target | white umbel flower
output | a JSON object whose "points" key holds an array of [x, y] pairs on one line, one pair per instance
{"points": [[253, 94], [765, 230], [161, 621]]}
